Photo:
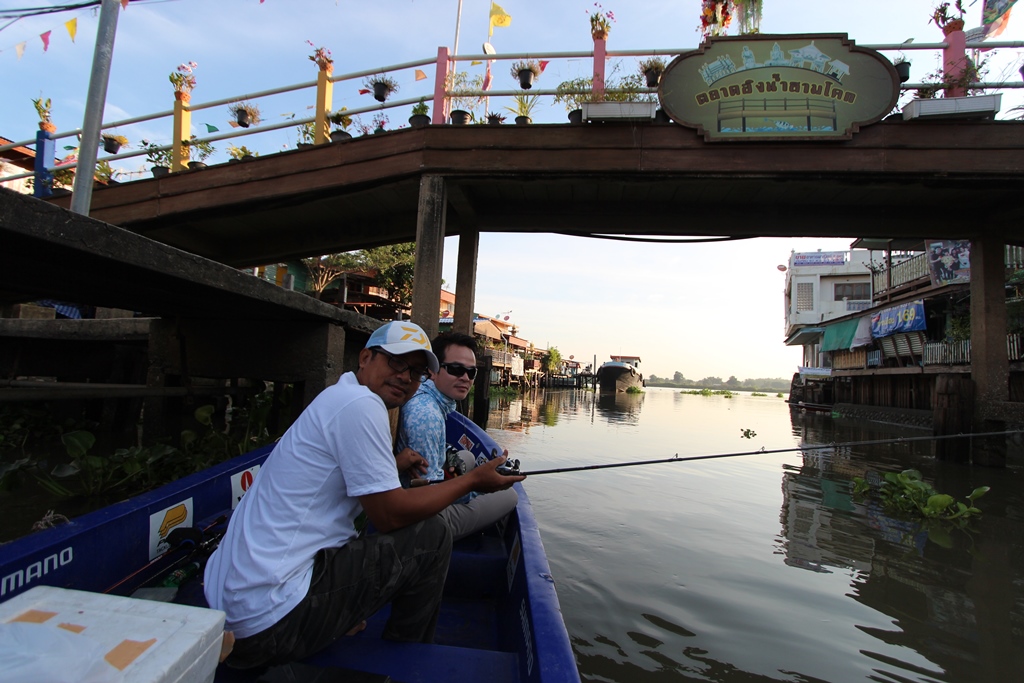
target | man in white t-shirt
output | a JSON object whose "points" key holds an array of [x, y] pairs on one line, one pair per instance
{"points": [[292, 572]]}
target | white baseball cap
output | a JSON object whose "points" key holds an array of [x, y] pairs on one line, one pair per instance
{"points": [[401, 336]]}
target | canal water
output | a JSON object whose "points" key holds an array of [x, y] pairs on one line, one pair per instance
{"points": [[762, 567]]}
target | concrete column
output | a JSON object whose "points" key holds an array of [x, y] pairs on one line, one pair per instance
{"points": [[430, 220], [440, 73], [45, 151], [465, 285], [600, 54], [990, 367], [954, 62], [182, 132], [324, 98]]}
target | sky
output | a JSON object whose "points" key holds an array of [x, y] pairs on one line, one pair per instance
{"points": [[709, 309]]}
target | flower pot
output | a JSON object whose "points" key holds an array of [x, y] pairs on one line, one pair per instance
{"points": [[903, 71], [526, 79], [378, 130], [242, 118], [599, 35], [459, 117], [653, 76], [304, 145], [111, 146], [47, 126], [196, 165], [339, 135], [576, 116], [419, 120], [182, 96], [160, 171], [493, 121], [523, 120], [380, 91], [955, 25]]}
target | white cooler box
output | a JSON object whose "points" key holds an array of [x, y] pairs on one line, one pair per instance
{"points": [[57, 634]]}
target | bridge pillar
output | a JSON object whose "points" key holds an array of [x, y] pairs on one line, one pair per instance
{"points": [[430, 221], [990, 365], [182, 132], [324, 99], [465, 285]]}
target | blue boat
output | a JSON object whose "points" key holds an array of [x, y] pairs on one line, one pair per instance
{"points": [[500, 619]]}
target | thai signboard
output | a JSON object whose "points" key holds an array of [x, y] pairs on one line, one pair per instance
{"points": [[771, 87], [906, 317], [819, 258]]}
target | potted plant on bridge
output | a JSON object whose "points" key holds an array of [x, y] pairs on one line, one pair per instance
{"points": [[184, 80], [341, 121], [523, 108], [463, 106], [527, 71], [573, 93], [199, 152], [245, 113], [321, 57], [902, 65], [420, 115], [378, 121], [240, 153], [601, 22], [160, 158], [945, 20], [113, 143], [382, 86], [495, 119], [651, 69], [43, 109]]}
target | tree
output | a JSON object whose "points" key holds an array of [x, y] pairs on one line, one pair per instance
{"points": [[652, 377], [394, 264], [678, 377], [323, 270], [732, 381], [710, 381], [552, 361]]}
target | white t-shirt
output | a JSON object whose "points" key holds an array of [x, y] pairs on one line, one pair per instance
{"points": [[304, 498]]}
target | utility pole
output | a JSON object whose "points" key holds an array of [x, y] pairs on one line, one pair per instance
{"points": [[81, 200]]}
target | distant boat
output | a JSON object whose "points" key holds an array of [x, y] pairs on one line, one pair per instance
{"points": [[620, 374]]}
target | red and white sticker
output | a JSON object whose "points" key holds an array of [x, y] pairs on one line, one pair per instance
{"points": [[240, 483]]}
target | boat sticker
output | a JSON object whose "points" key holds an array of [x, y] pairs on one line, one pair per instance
{"points": [[466, 442], [240, 483], [524, 619], [162, 522], [23, 576], [513, 561]]}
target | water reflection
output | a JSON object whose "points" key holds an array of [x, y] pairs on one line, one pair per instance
{"points": [[703, 571]]}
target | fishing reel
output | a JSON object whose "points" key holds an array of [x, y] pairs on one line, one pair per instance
{"points": [[509, 468]]}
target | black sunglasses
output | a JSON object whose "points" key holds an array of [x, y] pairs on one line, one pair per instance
{"points": [[458, 370], [417, 374]]}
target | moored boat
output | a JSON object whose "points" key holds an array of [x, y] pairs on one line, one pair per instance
{"points": [[500, 619], [620, 374]]}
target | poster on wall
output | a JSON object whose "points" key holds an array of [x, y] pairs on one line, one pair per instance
{"points": [[949, 261], [908, 317]]}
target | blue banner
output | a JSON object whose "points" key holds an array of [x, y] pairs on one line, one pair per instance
{"points": [[903, 318]]}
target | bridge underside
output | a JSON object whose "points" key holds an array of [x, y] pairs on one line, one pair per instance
{"points": [[894, 179]]}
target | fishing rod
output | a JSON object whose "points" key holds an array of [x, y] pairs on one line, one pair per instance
{"points": [[514, 469]]}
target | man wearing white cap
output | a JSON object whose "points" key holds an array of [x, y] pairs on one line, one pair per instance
{"points": [[292, 572]]}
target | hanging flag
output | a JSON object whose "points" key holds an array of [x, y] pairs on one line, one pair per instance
{"points": [[124, 4], [20, 49], [995, 15], [487, 76], [211, 128], [544, 64], [72, 26], [475, 62], [364, 91], [46, 40], [420, 76], [499, 17]]}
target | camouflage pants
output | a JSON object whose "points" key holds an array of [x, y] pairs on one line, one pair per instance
{"points": [[406, 568]]}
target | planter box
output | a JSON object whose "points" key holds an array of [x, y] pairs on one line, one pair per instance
{"points": [[978, 106], [618, 111]]}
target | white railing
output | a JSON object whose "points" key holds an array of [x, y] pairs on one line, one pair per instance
{"points": [[959, 352]]}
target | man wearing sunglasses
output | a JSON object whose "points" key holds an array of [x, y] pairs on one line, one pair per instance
{"points": [[293, 573], [421, 427]]}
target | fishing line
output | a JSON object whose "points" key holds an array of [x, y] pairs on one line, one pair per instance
{"points": [[762, 451]]}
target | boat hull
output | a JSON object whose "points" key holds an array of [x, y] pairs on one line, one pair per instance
{"points": [[618, 377]]}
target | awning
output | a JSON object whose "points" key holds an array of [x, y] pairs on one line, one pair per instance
{"points": [[805, 335], [839, 335]]}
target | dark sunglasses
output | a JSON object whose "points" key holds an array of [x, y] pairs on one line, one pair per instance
{"points": [[416, 374], [458, 370]]}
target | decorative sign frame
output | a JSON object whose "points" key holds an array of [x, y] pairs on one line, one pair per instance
{"points": [[779, 87]]}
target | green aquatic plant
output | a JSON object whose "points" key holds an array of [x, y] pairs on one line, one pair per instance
{"points": [[634, 390], [908, 493], [758, 393]]}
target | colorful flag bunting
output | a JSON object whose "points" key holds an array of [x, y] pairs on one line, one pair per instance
{"points": [[364, 91], [475, 62], [72, 26], [211, 128], [544, 64], [499, 17], [46, 40], [20, 49], [995, 15], [420, 76]]}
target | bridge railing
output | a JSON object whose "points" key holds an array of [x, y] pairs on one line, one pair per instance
{"points": [[440, 97]]}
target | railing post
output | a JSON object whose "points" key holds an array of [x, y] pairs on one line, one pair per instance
{"points": [[440, 114], [182, 132], [324, 97], [42, 184], [600, 56], [954, 63]]}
